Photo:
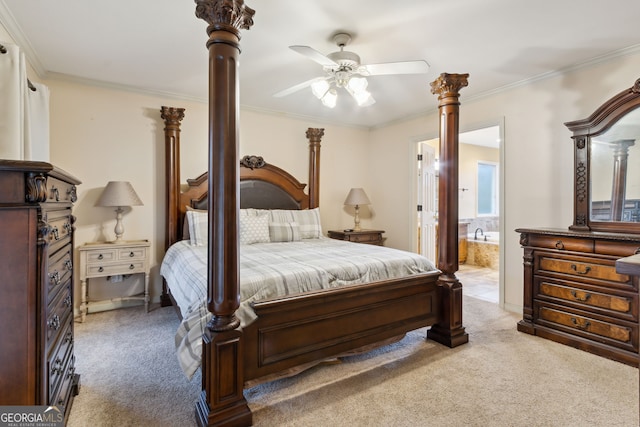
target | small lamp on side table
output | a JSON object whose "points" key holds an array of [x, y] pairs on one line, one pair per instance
{"points": [[357, 197], [119, 194]]}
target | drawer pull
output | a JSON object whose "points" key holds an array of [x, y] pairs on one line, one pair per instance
{"points": [[100, 269], [131, 267], [57, 366], [559, 245], [67, 301], [131, 254], [67, 226], [586, 270], [55, 194], [100, 256], [56, 233], [585, 298], [54, 278], [54, 322], [69, 265], [584, 325], [69, 337]]}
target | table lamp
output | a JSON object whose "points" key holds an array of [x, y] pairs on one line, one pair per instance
{"points": [[357, 197], [119, 194]]}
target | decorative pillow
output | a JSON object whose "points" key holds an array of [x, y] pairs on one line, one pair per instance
{"points": [[198, 227], [186, 235], [307, 219], [254, 229], [309, 222], [284, 232]]}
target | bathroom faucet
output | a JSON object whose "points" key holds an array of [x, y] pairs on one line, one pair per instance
{"points": [[475, 235]]}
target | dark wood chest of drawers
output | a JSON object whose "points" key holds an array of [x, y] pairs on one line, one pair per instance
{"points": [[573, 294], [37, 362]]}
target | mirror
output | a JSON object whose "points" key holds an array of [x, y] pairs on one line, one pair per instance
{"points": [[607, 166], [615, 175]]}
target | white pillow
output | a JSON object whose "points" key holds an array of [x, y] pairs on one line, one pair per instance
{"points": [[254, 229], [198, 227], [307, 219], [309, 222]]}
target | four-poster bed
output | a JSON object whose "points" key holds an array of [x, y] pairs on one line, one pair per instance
{"points": [[300, 329]]}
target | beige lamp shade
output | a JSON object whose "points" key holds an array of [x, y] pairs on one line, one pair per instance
{"points": [[357, 197], [119, 194]]}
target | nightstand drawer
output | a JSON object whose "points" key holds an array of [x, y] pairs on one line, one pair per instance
{"points": [[100, 270], [132, 253], [101, 256]]}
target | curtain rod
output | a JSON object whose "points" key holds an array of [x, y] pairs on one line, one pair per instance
{"points": [[3, 50]]}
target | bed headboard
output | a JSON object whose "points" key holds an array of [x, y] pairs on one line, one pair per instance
{"points": [[262, 185]]}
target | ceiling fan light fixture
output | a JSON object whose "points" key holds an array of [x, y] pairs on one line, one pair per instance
{"points": [[329, 99], [364, 98], [319, 88], [358, 84]]}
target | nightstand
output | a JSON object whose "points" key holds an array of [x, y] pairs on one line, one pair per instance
{"points": [[370, 237], [103, 259]]}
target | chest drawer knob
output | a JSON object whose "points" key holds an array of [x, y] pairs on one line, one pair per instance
{"points": [[584, 325], [584, 298], [54, 322], [55, 277], [100, 269], [100, 256], [131, 254], [131, 267], [586, 269], [559, 245]]}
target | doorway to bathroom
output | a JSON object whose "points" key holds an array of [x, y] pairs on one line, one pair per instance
{"points": [[479, 209]]}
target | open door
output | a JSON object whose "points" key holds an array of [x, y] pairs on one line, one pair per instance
{"points": [[427, 200]]}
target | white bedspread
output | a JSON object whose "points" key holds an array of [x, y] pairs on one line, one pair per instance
{"points": [[269, 270]]}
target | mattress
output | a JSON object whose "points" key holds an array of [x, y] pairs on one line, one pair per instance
{"points": [[269, 270]]}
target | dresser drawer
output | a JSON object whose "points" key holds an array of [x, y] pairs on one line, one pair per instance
{"points": [[68, 381], [579, 267], [59, 360], [59, 273], [621, 305], [618, 249], [60, 228], [562, 243], [60, 191], [601, 329], [58, 315]]}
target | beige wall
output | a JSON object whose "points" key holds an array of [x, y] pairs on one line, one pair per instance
{"points": [[100, 134]]}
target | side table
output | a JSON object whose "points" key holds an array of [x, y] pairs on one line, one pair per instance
{"points": [[102, 259]]}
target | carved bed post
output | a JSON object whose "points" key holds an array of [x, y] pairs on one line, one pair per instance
{"points": [[172, 117], [221, 400], [449, 331], [315, 136]]}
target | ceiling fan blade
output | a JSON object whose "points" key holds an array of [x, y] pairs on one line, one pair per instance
{"points": [[297, 87], [314, 55], [406, 67]]}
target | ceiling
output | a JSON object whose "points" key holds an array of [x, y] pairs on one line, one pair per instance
{"points": [[158, 46]]}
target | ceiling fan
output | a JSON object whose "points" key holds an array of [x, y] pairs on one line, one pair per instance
{"points": [[344, 70]]}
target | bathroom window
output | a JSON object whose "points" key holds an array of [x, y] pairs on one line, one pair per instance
{"points": [[487, 188]]}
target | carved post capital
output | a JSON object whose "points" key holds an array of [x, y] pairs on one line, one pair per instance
{"points": [[172, 116], [315, 134], [449, 85], [227, 15]]}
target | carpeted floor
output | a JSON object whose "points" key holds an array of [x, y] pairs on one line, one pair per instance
{"points": [[130, 377]]}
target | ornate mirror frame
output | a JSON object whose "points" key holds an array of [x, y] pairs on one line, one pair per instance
{"points": [[583, 131]]}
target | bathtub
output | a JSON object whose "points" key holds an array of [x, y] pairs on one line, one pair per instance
{"points": [[484, 253]]}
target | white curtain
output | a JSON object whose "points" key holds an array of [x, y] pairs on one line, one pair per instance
{"points": [[24, 113]]}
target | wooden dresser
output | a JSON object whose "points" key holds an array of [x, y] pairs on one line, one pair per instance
{"points": [[573, 294], [37, 362]]}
